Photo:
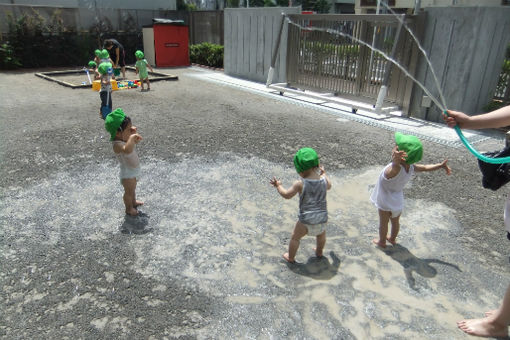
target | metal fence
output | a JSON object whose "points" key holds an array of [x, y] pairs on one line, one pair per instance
{"points": [[330, 53]]}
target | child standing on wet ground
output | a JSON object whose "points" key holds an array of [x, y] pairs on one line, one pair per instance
{"points": [[388, 194], [105, 93], [313, 212], [141, 69], [124, 138]]}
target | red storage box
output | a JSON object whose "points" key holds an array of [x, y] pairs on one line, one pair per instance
{"points": [[171, 45]]}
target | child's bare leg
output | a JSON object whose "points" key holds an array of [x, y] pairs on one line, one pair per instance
{"points": [[141, 83], [395, 228], [495, 325], [384, 218], [129, 195], [148, 83], [321, 241], [298, 233], [136, 203]]}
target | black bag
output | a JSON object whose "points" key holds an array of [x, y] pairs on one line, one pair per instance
{"points": [[494, 176]]}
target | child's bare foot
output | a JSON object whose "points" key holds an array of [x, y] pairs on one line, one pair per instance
{"points": [[485, 327], [286, 257], [393, 242], [379, 244], [137, 203], [132, 212], [318, 254]]}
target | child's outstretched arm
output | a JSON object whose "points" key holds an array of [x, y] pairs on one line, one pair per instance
{"points": [[287, 193], [323, 174], [433, 167]]}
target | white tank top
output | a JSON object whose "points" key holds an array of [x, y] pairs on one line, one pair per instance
{"points": [[129, 160], [388, 194]]}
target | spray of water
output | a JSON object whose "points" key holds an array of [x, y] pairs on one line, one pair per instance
{"points": [[402, 21], [387, 57], [440, 105]]}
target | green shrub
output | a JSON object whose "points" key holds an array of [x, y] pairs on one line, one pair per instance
{"points": [[207, 54], [7, 58]]}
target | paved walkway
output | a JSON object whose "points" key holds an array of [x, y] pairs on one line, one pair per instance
{"points": [[431, 131]]}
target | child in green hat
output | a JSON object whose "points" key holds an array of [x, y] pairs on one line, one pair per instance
{"points": [[141, 68], [97, 56], [388, 194], [105, 93], [124, 138], [313, 212], [92, 68]]}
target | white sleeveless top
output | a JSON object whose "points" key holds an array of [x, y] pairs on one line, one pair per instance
{"points": [[388, 194], [129, 162]]}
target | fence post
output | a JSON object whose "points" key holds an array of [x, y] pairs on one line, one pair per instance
{"points": [[275, 53], [384, 86]]}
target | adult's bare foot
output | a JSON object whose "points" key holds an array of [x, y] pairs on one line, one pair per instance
{"points": [[490, 312], [485, 327]]}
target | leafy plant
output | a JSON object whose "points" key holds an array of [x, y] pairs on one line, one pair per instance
{"points": [[207, 54], [7, 58]]}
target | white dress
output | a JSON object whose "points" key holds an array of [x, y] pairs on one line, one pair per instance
{"points": [[388, 194]]}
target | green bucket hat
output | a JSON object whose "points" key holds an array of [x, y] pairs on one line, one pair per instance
{"points": [[305, 158], [411, 145], [92, 64], [139, 54], [97, 53], [103, 68], [113, 121], [105, 54]]}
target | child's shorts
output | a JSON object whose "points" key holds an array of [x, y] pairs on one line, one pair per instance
{"points": [[127, 173], [395, 213], [315, 229]]}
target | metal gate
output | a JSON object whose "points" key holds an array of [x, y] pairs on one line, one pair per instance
{"points": [[331, 53]]}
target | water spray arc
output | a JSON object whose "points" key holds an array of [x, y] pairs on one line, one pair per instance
{"points": [[441, 104]]}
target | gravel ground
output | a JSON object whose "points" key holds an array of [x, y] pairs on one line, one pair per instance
{"points": [[204, 258]]}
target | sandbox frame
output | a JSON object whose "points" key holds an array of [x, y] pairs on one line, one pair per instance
{"points": [[156, 76]]}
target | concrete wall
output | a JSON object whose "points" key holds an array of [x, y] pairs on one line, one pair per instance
{"points": [[466, 47], [250, 36]]}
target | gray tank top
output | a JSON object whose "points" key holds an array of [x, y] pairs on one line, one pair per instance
{"points": [[312, 201]]}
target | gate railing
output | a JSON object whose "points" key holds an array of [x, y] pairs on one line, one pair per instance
{"points": [[324, 53]]}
